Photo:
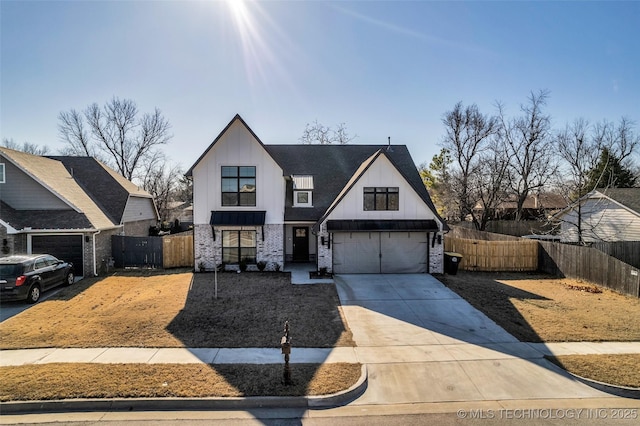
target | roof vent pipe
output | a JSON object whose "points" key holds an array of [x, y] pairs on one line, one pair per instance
{"points": [[389, 145]]}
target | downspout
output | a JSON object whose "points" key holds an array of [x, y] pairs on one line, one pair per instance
{"points": [[95, 267]]}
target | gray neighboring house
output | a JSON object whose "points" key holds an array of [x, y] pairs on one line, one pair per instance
{"points": [[611, 214], [346, 208], [69, 207]]}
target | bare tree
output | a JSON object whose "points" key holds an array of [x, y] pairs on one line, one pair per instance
{"points": [[467, 134], [490, 186], [528, 143], [325, 135], [161, 181], [583, 148], [73, 132], [117, 131], [29, 148]]}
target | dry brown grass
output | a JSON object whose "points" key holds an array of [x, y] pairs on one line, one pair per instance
{"points": [[619, 370], [539, 308], [63, 381], [153, 309]]}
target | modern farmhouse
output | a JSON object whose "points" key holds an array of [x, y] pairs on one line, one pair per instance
{"points": [[346, 208]]}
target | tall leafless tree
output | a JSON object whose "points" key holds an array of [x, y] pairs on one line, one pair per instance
{"points": [[528, 143], [580, 146], [161, 180], [117, 132], [468, 133]]}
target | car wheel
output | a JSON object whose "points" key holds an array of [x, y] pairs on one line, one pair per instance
{"points": [[70, 279], [34, 294]]}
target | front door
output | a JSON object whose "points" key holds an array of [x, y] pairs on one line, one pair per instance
{"points": [[300, 244]]}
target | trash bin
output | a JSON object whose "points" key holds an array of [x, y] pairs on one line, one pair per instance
{"points": [[451, 262]]}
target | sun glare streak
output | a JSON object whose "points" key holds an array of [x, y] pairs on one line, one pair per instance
{"points": [[254, 27]]}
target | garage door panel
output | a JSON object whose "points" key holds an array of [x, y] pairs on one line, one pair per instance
{"points": [[64, 247], [356, 253], [380, 252], [403, 252]]}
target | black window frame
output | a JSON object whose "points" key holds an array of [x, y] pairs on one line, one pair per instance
{"points": [[381, 198], [249, 253], [238, 178]]}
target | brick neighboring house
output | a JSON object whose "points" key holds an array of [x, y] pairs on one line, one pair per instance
{"points": [[69, 207], [348, 208]]}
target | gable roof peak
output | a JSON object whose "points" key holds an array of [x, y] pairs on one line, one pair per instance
{"points": [[237, 117]]}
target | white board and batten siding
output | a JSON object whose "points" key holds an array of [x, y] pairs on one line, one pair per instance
{"points": [[238, 147], [602, 220], [382, 174]]}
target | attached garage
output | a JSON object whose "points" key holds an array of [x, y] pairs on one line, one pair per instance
{"points": [[64, 247], [381, 247]]}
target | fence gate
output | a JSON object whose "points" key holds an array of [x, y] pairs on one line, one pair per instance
{"points": [[136, 251]]}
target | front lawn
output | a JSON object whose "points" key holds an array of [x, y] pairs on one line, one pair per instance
{"points": [[541, 308], [147, 309]]}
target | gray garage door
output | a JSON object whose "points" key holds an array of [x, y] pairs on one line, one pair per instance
{"points": [[380, 252], [64, 247]]}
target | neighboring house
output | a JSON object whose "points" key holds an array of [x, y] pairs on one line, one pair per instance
{"points": [[69, 207], [181, 211], [348, 208], [535, 207], [603, 215]]}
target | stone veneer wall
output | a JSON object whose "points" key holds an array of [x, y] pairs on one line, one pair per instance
{"points": [[209, 252], [325, 255], [436, 257]]}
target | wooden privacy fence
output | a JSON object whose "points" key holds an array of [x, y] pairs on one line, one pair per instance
{"points": [[177, 251], [171, 251], [479, 255], [591, 265]]}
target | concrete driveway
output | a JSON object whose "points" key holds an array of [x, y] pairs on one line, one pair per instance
{"points": [[423, 343]]}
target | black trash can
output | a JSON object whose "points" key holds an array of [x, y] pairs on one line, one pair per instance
{"points": [[451, 262]]}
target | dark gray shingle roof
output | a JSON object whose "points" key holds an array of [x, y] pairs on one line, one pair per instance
{"points": [[628, 197], [332, 166]]}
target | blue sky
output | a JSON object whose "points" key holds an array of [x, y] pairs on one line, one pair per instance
{"points": [[387, 68]]}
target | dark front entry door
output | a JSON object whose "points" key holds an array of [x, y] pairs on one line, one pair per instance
{"points": [[300, 244]]}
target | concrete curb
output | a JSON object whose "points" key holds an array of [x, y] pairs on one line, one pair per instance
{"points": [[622, 391], [177, 404]]}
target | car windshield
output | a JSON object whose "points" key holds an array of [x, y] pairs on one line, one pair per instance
{"points": [[9, 270]]}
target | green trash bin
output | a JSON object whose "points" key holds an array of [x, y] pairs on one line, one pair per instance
{"points": [[451, 262]]}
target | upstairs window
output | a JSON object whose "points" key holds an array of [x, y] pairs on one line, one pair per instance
{"points": [[302, 191], [2, 173], [302, 199], [239, 186], [380, 198]]}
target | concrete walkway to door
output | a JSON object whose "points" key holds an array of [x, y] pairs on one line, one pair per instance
{"points": [[423, 343]]}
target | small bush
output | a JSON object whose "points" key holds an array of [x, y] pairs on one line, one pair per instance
{"points": [[261, 265]]}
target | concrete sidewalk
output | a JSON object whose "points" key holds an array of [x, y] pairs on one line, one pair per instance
{"points": [[364, 355]]}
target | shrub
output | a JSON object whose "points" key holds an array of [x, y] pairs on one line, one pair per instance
{"points": [[261, 265]]}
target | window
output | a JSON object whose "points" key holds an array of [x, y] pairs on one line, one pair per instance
{"points": [[302, 199], [239, 186], [381, 198], [2, 173], [237, 245]]}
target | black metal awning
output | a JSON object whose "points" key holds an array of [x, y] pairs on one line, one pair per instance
{"points": [[427, 225], [238, 218]]}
